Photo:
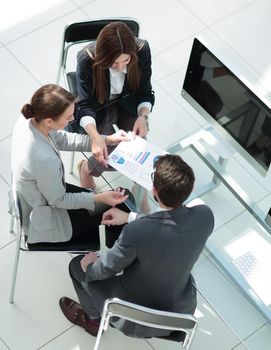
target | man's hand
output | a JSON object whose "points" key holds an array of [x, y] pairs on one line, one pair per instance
{"points": [[114, 216], [140, 127], [111, 198], [88, 259]]}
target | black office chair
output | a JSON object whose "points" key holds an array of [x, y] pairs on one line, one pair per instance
{"points": [[182, 326], [81, 247], [79, 33]]}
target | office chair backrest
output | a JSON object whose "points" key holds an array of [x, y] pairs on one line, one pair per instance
{"points": [[147, 317], [89, 30], [86, 31]]}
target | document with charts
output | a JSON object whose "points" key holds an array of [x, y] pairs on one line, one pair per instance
{"points": [[135, 160]]}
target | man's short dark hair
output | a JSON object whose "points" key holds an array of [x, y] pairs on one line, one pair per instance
{"points": [[173, 179]]}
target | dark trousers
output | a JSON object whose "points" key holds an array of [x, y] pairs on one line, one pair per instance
{"points": [[85, 222], [78, 278], [92, 295]]}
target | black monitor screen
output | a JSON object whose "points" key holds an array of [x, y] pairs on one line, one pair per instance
{"points": [[230, 103]]}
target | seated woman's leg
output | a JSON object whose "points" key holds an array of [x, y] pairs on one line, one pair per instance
{"points": [[85, 225], [85, 222]]}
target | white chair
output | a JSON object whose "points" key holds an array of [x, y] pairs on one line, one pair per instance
{"points": [[82, 247], [148, 317]]}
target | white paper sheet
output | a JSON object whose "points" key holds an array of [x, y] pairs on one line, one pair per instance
{"points": [[135, 160]]}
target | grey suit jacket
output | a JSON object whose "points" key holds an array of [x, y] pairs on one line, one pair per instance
{"points": [[38, 174], [156, 254]]}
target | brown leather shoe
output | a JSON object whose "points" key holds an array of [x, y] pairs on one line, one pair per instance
{"points": [[75, 314]]}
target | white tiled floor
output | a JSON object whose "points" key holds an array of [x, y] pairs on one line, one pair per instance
{"points": [[30, 39]]}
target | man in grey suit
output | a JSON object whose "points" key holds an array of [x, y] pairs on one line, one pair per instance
{"points": [[151, 262]]}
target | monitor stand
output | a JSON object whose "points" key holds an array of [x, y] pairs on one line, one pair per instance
{"points": [[203, 143]]}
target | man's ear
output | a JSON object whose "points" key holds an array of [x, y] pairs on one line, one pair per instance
{"points": [[155, 194], [154, 191]]}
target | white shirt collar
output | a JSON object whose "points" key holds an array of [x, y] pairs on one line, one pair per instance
{"points": [[117, 79]]}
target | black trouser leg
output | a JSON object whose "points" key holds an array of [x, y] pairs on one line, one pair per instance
{"points": [[78, 277]]}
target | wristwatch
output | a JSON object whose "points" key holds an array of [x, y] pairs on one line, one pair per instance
{"points": [[145, 116]]}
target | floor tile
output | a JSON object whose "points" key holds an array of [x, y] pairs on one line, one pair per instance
{"points": [[226, 299], [256, 56], [17, 23], [21, 87], [253, 188], [76, 338], [181, 21], [168, 114], [241, 347], [264, 181], [208, 11], [172, 84], [5, 165], [35, 315], [36, 44], [163, 64], [220, 198], [82, 2], [260, 340], [3, 346], [211, 329], [5, 236]]}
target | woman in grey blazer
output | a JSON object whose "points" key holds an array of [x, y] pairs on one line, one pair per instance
{"points": [[53, 211]]}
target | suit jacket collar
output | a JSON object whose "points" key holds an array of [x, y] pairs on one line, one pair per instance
{"points": [[168, 214], [43, 138]]}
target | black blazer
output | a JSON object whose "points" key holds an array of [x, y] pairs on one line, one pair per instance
{"points": [[128, 99]]}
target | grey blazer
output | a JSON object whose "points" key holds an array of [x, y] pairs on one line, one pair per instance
{"points": [[38, 174], [153, 258]]}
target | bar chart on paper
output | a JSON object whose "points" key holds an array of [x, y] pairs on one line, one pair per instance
{"points": [[135, 159]]}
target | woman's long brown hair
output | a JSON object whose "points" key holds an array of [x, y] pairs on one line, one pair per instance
{"points": [[114, 39]]}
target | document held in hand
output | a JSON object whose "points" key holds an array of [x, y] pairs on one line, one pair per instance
{"points": [[135, 159]]}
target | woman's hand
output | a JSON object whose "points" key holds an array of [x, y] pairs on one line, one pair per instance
{"points": [[99, 149], [111, 198], [140, 127], [117, 137]]}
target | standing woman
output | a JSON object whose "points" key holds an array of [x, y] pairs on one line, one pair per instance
{"points": [[53, 211], [114, 87]]}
